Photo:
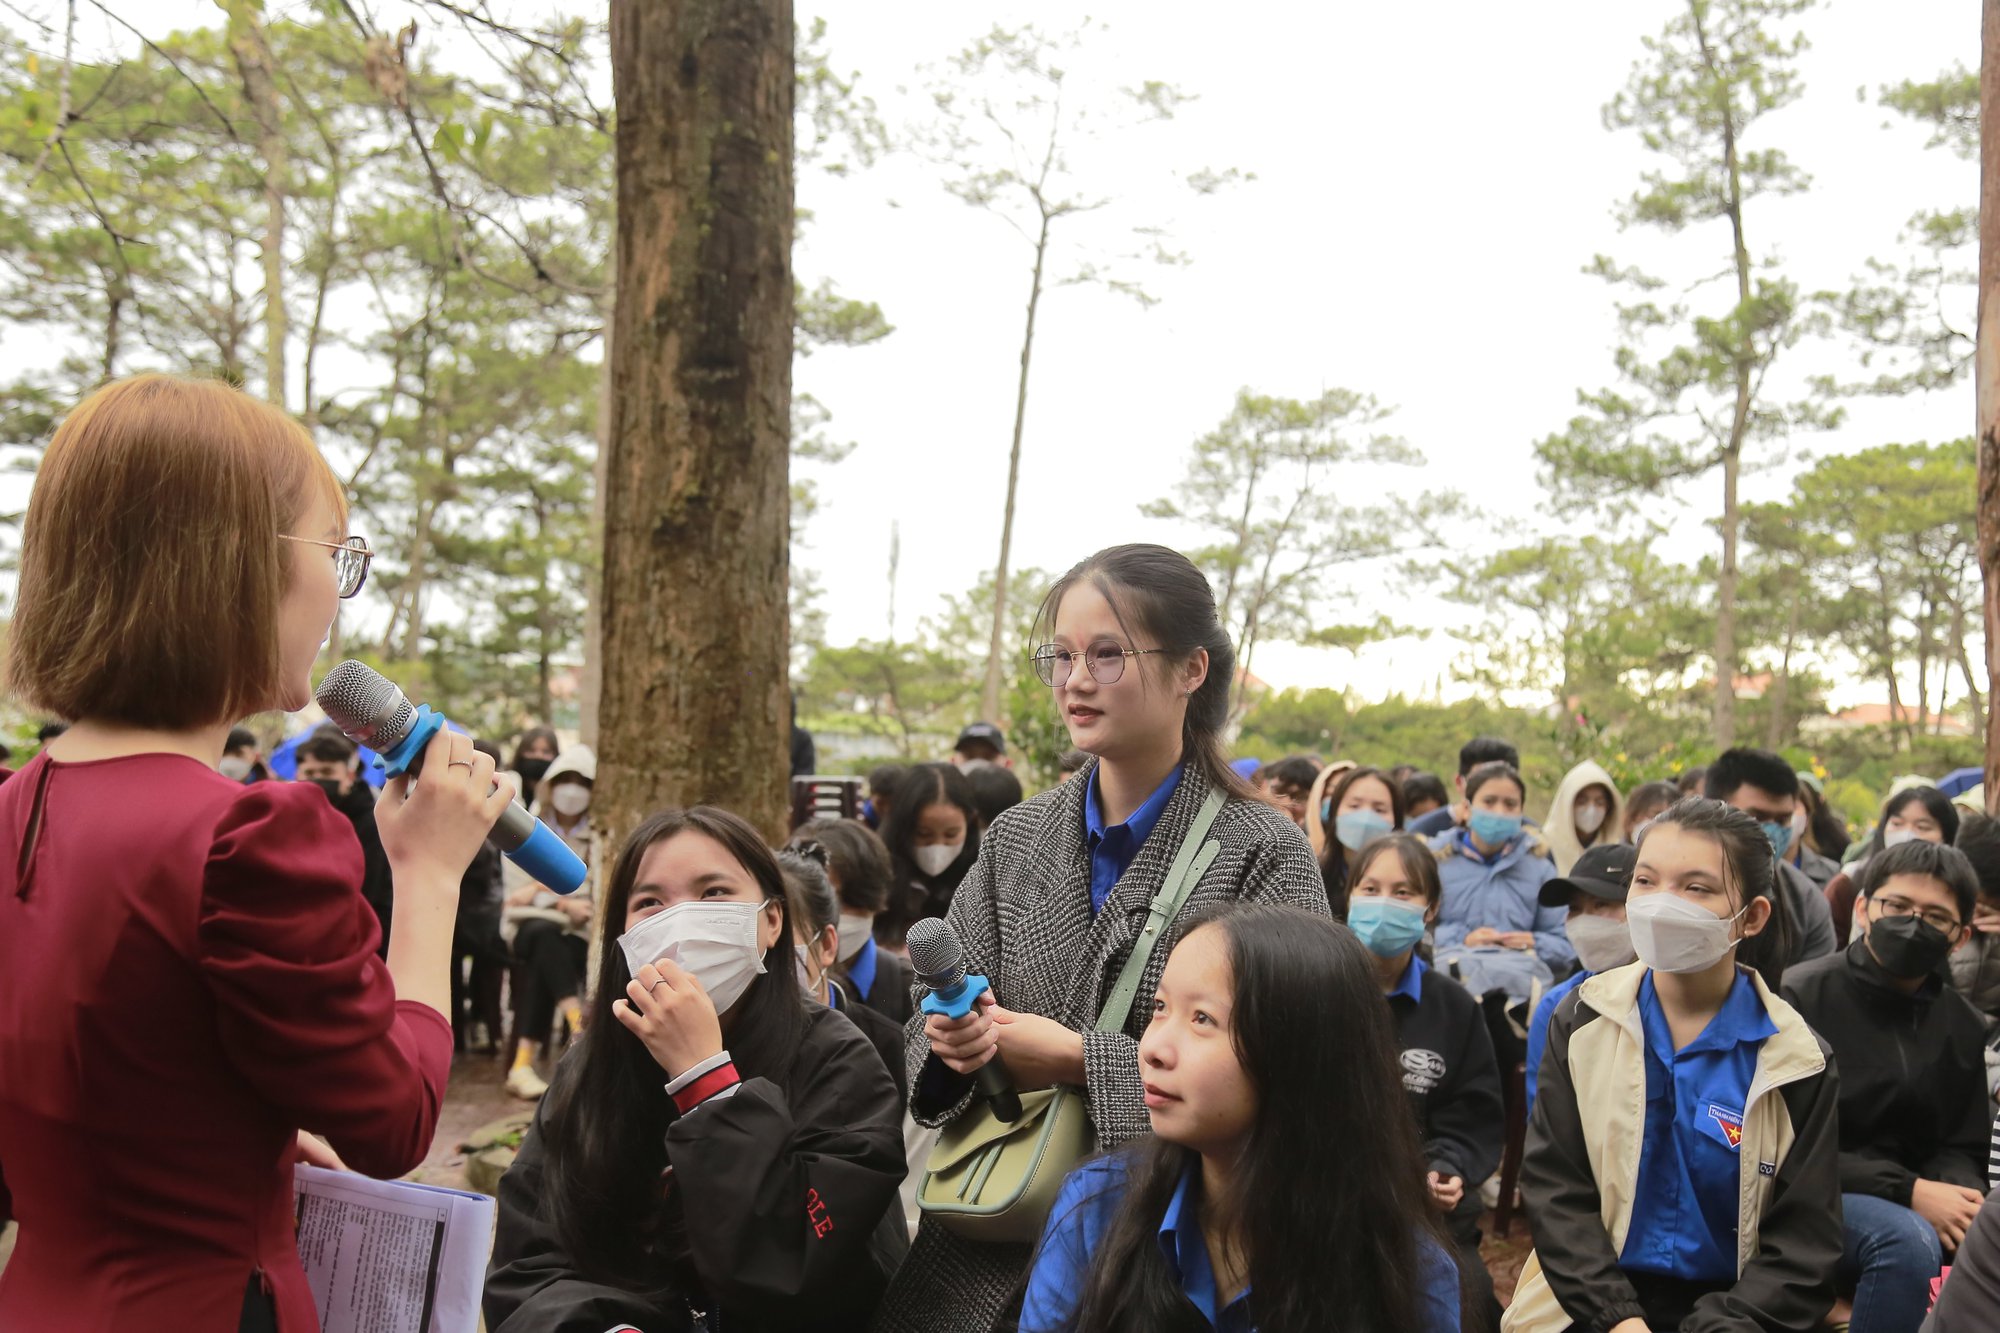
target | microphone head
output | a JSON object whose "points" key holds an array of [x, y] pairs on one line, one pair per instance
{"points": [[366, 706], [936, 954]]}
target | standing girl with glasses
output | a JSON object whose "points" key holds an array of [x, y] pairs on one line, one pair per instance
{"points": [[1141, 669], [188, 975], [1683, 1164]]}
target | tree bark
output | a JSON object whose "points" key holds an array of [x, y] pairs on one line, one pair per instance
{"points": [[989, 697], [252, 54], [697, 496], [1781, 684], [1986, 369], [1732, 450]]}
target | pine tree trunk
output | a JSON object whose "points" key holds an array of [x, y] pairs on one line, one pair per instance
{"points": [[1986, 370], [989, 697], [696, 495], [591, 692], [252, 54], [1725, 609]]}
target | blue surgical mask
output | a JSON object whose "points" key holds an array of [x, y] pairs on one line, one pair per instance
{"points": [[1357, 828], [1494, 829], [1780, 836], [1384, 925]]}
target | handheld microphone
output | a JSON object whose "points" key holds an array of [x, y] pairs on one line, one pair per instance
{"points": [[938, 958], [371, 711]]}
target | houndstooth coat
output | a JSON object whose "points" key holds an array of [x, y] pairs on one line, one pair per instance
{"points": [[1024, 914]]}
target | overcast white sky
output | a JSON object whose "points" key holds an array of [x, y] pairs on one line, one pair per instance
{"points": [[1430, 180]]}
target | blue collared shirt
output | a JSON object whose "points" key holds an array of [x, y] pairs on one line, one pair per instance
{"points": [[861, 969], [1411, 984], [1538, 1026], [1112, 850], [1084, 1211], [1686, 1206]]}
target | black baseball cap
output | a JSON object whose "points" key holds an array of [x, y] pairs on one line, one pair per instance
{"points": [[1602, 872], [982, 731]]}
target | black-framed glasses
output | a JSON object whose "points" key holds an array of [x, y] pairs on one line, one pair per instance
{"points": [[351, 558], [1104, 659], [1890, 905]]}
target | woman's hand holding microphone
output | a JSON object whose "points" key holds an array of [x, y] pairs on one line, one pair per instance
{"points": [[431, 829]]}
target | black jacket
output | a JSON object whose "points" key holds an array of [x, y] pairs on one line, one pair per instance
{"points": [[748, 1167], [1912, 1074], [885, 1036], [1451, 1079]]}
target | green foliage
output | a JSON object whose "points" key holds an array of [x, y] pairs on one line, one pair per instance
{"points": [[447, 231], [1269, 483], [1911, 318]]}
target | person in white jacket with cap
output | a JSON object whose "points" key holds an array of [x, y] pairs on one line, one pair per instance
{"points": [[550, 932]]}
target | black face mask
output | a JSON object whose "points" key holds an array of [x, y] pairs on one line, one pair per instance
{"points": [[1907, 946], [331, 787], [533, 770]]}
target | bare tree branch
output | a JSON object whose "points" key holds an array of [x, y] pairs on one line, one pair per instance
{"points": [[61, 127]]}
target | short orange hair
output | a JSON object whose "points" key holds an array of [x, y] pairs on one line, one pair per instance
{"points": [[151, 565]]}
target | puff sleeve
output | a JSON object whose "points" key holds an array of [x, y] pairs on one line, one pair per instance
{"points": [[307, 1011]]}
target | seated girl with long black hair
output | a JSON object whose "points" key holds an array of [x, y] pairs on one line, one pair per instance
{"points": [[1282, 1187], [714, 1145]]}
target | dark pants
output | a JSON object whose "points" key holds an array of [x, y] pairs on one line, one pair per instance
{"points": [[476, 948], [548, 969]]}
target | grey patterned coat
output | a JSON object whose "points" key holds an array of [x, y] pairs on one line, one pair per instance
{"points": [[1024, 914]]}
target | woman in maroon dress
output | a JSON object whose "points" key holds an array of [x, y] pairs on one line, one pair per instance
{"points": [[188, 975]]}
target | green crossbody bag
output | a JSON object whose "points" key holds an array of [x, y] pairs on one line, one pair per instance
{"points": [[991, 1181]]}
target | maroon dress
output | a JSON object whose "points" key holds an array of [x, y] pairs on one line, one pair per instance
{"points": [[187, 977]]}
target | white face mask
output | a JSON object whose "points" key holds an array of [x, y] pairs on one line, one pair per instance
{"points": [[717, 942], [935, 859], [233, 768], [1590, 818], [1896, 837], [570, 799], [1671, 934], [803, 970], [856, 929], [1601, 942]]}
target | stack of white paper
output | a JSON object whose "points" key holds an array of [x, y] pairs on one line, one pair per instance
{"points": [[389, 1256]]}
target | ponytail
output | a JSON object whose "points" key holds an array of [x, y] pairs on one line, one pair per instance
{"points": [[1159, 591]]}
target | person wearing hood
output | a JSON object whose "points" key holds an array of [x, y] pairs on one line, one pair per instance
{"points": [[1593, 893], [326, 759], [1587, 812], [1493, 870], [1914, 1112], [550, 932]]}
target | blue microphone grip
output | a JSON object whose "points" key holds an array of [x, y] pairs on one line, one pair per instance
{"points": [[530, 844]]}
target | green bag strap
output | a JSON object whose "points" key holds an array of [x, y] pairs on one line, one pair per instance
{"points": [[1193, 857]]}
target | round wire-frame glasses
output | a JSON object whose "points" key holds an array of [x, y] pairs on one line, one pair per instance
{"points": [[1104, 659], [351, 558]]}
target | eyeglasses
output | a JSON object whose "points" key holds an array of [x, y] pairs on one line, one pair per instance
{"points": [[350, 560], [1104, 660], [1935, 916]]}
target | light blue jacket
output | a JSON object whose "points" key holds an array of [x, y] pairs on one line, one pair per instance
{"points": [[1505, 895]]}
